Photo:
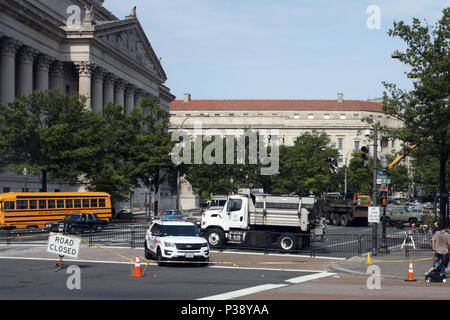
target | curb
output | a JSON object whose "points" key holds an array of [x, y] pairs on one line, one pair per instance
{"points": [[339, 268]]}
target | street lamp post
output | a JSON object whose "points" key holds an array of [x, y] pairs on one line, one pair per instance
{"points": [[25, 173], [178, 171]]}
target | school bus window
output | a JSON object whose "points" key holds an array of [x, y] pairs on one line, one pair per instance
{"points": [[69, 203], [22, 204], [77, 203], [42, 204], [94, 203], [85, 203], [9, 205], [51, 204], [101, 203], [60, 204], [33, 204]]}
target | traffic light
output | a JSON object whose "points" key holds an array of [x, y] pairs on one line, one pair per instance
{"points": [[383, 198], [365, 157]]}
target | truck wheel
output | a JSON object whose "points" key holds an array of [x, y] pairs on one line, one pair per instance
{"points": [[345, 221], [215, 237], [335, 219], [287, 242]]}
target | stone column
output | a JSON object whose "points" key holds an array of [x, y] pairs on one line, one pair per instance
{"points": [[26, 58], [57, 76], [138, 97], [119, 93], [129, 99], [8, 48], [108, 89], [97, 90], [42, 72], [84, 70]]}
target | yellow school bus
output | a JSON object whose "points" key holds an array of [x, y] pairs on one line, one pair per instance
{"points": [[35, 209]]}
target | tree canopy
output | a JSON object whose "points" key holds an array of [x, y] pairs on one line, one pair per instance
{"points": [[424, 110]]}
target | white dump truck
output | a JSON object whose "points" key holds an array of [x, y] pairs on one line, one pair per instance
{"points": [[288, 221]]}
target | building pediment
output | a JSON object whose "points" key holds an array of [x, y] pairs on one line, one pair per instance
{"points": [[127, 37]]}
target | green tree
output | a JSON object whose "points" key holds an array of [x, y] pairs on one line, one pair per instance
{"points": [[359, 179], [149, 145], [41, 132], [307, 166], [105, 164], [215, 178], [424, 109]]}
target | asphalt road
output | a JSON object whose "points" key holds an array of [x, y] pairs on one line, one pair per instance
{"points": [[34, 279]]}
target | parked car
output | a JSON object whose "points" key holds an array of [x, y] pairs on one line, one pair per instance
{"points": [[175, 240], [172, 215], [196, 218], [78, 223]]}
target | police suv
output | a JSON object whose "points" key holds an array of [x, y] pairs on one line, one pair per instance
{"points": [[175, 240]]}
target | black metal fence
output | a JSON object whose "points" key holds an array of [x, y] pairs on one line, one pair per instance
{"points": [[134, 236]]}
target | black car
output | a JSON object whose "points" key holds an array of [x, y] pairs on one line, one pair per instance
{"points": [[78, 222]]}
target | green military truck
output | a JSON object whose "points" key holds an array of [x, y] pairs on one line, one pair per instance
{"points": [[344, 209]]}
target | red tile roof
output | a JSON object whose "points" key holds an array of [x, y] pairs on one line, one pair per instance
{"points": [[290, 105]]}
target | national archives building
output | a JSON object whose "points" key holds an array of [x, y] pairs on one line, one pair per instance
{"points": [[77, 46], [341, 120]]}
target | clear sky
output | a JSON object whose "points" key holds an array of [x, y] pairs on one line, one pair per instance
{"points": [[277, 49]]}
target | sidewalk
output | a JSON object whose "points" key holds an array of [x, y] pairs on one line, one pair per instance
{"points": [[393, 265]]}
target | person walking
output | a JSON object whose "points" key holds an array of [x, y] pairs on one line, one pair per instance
{"points": [[440, 244]]}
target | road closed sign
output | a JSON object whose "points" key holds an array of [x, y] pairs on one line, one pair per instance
{"points": [[374, 214], [63, 245]]}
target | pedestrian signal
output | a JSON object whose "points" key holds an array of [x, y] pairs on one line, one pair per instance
{"points": [[383, 198]]}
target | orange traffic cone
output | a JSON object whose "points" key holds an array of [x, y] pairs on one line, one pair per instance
{"points": [[410, 272], [60, 262], [137, 268]]}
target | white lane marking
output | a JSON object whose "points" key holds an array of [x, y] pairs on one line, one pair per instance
{"points": [[310, 277], [67, 260], [244, 292], [341, 244], [264, 269], [269, 286]]}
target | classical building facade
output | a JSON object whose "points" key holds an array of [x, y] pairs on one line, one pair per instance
{"points": [[77, 46], [341, 119]]}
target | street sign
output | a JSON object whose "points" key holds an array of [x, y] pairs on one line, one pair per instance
{"points": [[383, 180], [63, 245], [373, 215]]}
